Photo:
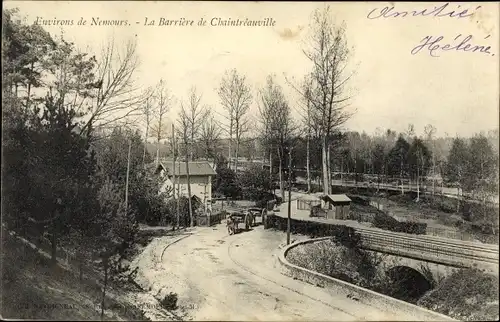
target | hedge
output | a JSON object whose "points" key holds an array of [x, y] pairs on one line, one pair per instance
{"points": [[344, 234], [387, 222]]}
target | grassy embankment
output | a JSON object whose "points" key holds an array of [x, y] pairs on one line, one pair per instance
{"points": [[34, 289]]}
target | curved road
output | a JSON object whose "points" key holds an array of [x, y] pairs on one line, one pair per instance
{"points": [[221, 277]]}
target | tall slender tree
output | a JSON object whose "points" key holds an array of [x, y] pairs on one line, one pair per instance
{"points": [[235, 96], [329, 54]]}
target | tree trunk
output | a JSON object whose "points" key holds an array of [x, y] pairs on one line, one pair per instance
{"points": [[191, 219], [328, 167], [342, 171], [229, 163], [174, 157], [271, 170], [355, 171], [433, 176], [236, 155], [178, 193], [145, 142], [401, 177], [280, 169], [418, 182], [324, 165], [308, 165]]}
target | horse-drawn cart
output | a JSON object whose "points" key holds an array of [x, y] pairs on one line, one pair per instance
{"points": [[235, 218]]}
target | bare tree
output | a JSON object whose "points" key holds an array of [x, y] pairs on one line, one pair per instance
{"points": [[190, 121], [183, 129], [195, 113], [235, 96], [163, 101], [210, 135], [309, 123], [276, 118], [117, 97], [430, 131], [147, 111], [329, 53]]}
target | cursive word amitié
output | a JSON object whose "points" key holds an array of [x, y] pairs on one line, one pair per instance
{"points": [[435, 45], [441, 11]]}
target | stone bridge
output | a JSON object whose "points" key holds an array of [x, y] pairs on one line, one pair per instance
{"points": [[419, 263]]}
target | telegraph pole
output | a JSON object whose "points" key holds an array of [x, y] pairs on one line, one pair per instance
{"points": [[173, 174], [128, 171], [289, 195]]}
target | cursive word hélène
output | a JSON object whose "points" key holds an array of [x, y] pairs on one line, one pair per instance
{"points": [[441, 11], [435, 45]]}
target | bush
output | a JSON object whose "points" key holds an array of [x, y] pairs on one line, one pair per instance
{"points": [[331, 258], [386, 222], [467, 294], [169, 302]]}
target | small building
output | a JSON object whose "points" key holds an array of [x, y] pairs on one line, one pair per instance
{"points": [[337, 205], [306, 202], [200, 178]]}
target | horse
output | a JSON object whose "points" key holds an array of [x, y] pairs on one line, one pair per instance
{"points": [[232, 225]]}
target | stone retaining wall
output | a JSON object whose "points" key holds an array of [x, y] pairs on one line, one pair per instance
{"points": [[392, 305]]}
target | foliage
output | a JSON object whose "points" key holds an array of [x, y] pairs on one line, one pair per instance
{"points": [[143, 192], [333, 259], [419, 159], [255, 183], [169, 302], [387, 222], [59, 181], [225, 182], [398, 157], [467, 294]]}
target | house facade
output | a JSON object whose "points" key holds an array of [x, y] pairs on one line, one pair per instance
{"points": [[201, 174]]}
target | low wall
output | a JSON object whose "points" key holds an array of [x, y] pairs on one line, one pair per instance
{"points": [[207, 221], [423, 248], [392, 305]]}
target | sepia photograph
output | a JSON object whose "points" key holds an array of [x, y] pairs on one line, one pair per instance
{"points": [[250, 161]]}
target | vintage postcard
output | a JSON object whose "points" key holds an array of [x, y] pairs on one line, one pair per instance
{"points": [[250, 161]]}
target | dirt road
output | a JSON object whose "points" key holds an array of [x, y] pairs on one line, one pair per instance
{"points": [[221, 277]]}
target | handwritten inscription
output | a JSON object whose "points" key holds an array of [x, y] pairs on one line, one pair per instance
{"points": [[435, 45], [442, 12]]}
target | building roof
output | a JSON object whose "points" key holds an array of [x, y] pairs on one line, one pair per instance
{"points": [[338, 198], [196, 168]]}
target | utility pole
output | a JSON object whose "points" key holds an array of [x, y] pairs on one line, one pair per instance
{"points": [[128, 171], [289, 195], [178, 190], [173, 174]]}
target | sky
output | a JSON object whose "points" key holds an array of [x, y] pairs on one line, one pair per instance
{"points": [[457, 92]]}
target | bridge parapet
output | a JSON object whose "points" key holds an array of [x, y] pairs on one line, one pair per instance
{"points": [[433, 250]]}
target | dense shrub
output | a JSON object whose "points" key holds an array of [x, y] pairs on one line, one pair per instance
{"points": [[386, 222], [169, 302], [467, 294], [331, 258], [365, 201]]}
